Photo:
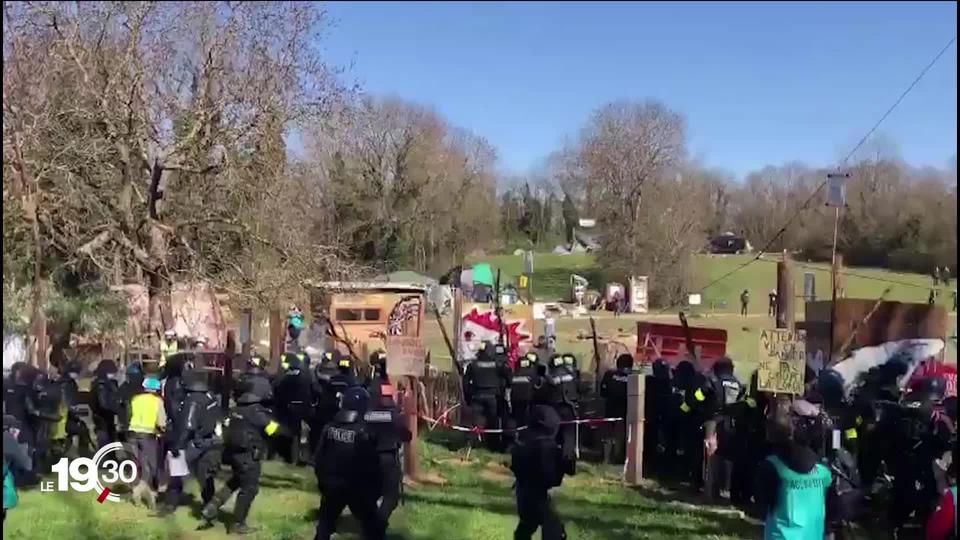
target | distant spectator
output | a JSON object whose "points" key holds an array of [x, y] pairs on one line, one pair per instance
{"points": [[615, 304], [932, 299], [936, 276], [772, 307], [954, 299], [744, 302]]}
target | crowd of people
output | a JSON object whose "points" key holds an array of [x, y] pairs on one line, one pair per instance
{"points": [[808, 466], [175, 426]]}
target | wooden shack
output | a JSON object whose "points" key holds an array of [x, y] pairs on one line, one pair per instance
{"points": [[364, 313]]}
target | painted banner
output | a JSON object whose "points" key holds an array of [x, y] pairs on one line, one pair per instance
{"points": [[406, 356], [782, 360], [937, 369], [479, 324]]}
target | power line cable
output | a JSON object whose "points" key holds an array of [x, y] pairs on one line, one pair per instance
{"points": [[813, 195]]}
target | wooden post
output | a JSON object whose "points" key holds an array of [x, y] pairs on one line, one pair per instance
{"points": [[277, 332], [636, 389], [785, 293], [410, 419], [40, 342]]}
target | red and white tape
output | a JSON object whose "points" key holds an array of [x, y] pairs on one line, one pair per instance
{"points": [[477, 430]]}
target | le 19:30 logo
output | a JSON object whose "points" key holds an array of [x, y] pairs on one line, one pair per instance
{"points": [[96, 474]]}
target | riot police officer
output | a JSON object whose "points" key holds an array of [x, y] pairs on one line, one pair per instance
{"points": [[195, 438], [255, 379], [521, 388], [245, 444], [347, 469], [656, 402], [538, 465], [378, 378], [131, 386], [18, 403], [47, 397], [613, 389], [77, 432], [384, 422], [697, 404], [483, 383], [917, 444], [560, 390], [105, 402], [294, 399], [748, 443]]}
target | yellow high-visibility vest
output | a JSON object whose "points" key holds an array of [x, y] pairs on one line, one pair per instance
{"points": [[166, 349], [144, 410], [59, 431]]}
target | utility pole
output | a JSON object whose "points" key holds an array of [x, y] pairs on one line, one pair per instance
{"points": [[836, 198]]}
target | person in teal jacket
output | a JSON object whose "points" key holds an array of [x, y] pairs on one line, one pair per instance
{"points": [[792, 483], [14, 458]]}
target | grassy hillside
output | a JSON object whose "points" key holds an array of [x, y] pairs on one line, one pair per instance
{"points": [[468, 500], [552, 277]]}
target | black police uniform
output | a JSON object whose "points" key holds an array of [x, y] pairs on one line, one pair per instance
{"points": [[613, 389], [483, 384], [295, 402], [105, 402], [130, 388], [348, 475], [698, 403], [256, 380], [78, 434], [916, 446], [18, 404], [325, 395], [521, 389], [656, 402], [561, 391], [385, 423], [47, 396], [245, 444], [195, 437], [538, 465]]}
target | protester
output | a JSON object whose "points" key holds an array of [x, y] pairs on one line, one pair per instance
{"points": [[942, 524], [148, 420], [15, 459], [744, 302], [792, 485]]}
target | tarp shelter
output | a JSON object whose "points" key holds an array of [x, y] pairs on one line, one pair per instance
{"points": [[483, 274]]}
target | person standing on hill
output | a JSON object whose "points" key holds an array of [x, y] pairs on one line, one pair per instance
{"points": [[744, 302], [772, 304]]}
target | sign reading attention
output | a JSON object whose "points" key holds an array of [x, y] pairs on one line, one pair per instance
{"points": [[406, 356], [782, 360]]}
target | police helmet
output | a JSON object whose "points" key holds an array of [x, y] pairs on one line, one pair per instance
{"points": [[625, 361], [378, 358], [72, 366], [661, 369], [831, 386], [135, 368], [151, 384], [256, 361], [950, 407], [355, 398], [344, 363], [170, 334], [529, 359], [570, 360], [106, 367], [935, 386], [556, 360], [249, 398], [195, 381], [723, 366], [684, 372], [545, 419], [292, 361]]}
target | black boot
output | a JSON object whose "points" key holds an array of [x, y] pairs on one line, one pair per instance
{"points": [[241, 528]]}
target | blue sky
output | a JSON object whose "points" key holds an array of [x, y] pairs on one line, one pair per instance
{"points": [[757, 83]]}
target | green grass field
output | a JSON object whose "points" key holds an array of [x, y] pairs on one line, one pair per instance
{"points": [[456, 500], [551, 279]]}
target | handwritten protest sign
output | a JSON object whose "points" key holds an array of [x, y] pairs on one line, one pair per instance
{"points": [[783, 357], [405, 356]]}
